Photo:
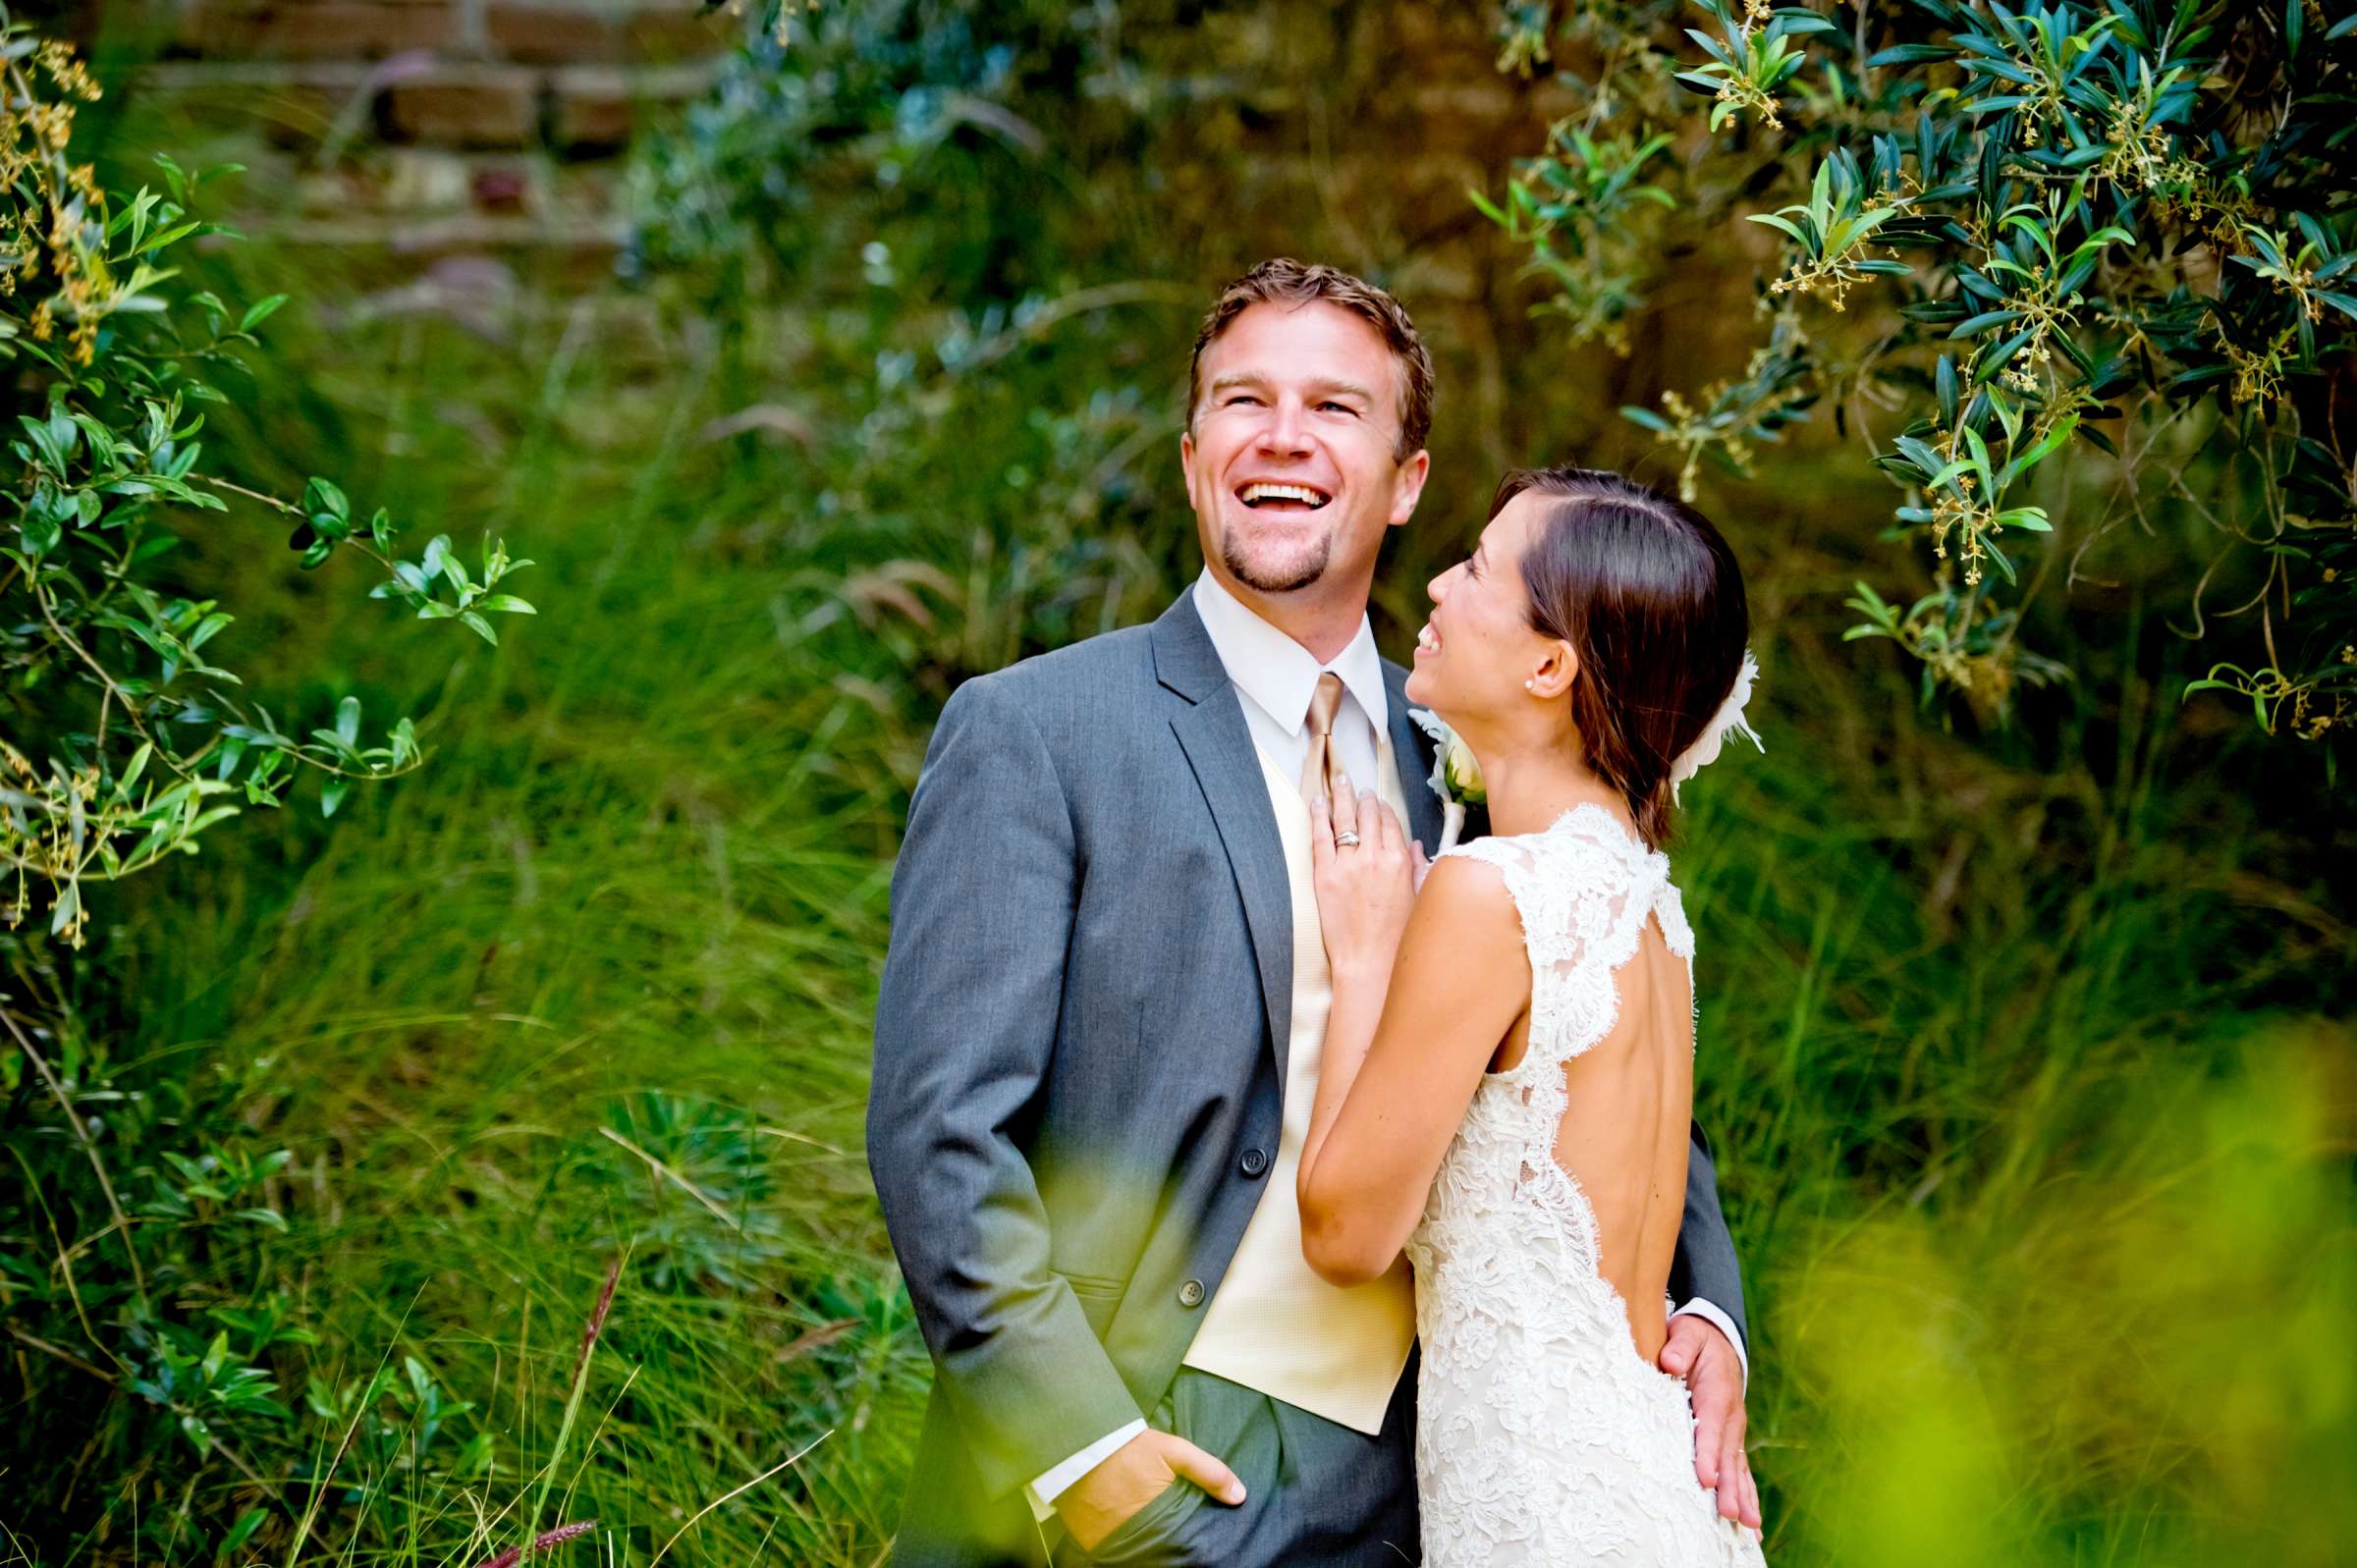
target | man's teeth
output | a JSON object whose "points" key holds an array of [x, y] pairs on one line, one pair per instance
{"points": [[1428, 639], [1255, 494]]}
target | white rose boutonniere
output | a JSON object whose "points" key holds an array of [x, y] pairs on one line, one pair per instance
{"points": [[1455, 774]]}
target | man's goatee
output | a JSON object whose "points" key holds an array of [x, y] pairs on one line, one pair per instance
{"points": [[1246, 573]]}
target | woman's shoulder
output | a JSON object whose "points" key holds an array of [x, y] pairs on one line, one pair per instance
{"points": [[1585, 845], [1468, 906], [1570, 884]]}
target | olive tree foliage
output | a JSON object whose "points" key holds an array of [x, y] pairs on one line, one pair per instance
{"points": [[123, 737], [2008, 246]]}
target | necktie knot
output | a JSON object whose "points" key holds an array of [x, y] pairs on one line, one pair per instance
{"points": [[1325, 703], [1322, 774]]}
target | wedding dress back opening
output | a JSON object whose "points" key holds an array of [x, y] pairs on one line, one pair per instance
{"points": [[1545, 1438]]}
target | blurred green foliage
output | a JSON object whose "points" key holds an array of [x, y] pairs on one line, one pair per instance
{"points": [[2025, 1052]]}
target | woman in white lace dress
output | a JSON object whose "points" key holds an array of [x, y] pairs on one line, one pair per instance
{"points": [[1508, 1068]]}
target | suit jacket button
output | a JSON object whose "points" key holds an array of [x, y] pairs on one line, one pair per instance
{"points": [[1190, 1294], [1253, 1162]]}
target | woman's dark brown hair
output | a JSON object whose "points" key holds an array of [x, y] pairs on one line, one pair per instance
{"points": [[1649, 597]]}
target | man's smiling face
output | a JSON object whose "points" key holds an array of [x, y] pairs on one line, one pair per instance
{"points": [[1290, 455]]}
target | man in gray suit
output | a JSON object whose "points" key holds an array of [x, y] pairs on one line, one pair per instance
{"points": [[1098, 1030]]}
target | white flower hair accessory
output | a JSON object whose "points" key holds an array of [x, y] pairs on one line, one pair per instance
{"points": [[1728, 721], [1455, 774]]}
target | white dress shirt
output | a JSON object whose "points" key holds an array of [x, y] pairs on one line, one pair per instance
{"points": [[1274, 677]]}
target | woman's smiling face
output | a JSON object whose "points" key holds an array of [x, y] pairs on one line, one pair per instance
{"points": [[1478, 647]]}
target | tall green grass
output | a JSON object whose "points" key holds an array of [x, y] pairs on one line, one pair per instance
{"points": [[2024, 1054]]}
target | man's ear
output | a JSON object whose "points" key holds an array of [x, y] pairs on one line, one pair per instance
{"points": [[1557, 671], [1408, 487]]}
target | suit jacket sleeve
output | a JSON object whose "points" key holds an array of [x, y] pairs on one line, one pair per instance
{"points": [[982, 910], [1705, 1263]]}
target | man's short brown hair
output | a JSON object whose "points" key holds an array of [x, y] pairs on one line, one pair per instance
{"points": [[1287, 282]]}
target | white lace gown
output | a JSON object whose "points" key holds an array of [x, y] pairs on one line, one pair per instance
{"points": [[1543, 1439]]}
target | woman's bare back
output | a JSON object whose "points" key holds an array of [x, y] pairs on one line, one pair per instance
{"points": [[1623, 1137], [1625, 1131]]}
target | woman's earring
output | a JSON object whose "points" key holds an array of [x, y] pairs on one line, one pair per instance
{"points": [[1530, 686]]}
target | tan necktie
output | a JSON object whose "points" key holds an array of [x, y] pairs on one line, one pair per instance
{"points": [[1323, 773]]}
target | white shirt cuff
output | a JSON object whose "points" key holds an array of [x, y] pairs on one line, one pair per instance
{"points": [[1699, 1308], [1044, 1492]]}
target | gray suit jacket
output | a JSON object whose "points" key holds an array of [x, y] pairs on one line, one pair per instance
{"points": [[1081, 1048]]}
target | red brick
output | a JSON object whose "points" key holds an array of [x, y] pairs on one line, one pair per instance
{"points": [[594, 107], [325, 29], [571, 34], [680, 32], [466, 106], [551, 34]]}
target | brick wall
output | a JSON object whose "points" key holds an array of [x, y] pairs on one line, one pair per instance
{"points": [[430, 128]]}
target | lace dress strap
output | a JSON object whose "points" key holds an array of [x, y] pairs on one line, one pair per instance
{"points": [[1518, 861], [1582, 889]]}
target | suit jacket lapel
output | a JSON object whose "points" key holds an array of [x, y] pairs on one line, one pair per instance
{"points": [[1411, 752], [1211, 730]]}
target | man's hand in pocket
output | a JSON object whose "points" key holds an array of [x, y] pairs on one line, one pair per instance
{"points": [[1139, 1471]]}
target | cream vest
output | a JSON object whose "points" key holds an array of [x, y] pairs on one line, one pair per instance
{"points": [[1274, 1325]]}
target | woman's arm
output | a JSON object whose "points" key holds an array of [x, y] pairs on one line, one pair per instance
{"points": [[1417, 1018]]}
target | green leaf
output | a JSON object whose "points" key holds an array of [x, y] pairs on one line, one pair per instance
{"points": [[2038, 453], [1983, 322], [323, 496], [1997, 558], [174, 177], [260, 311], [207, 628], [1979, 450], [169, 236], [1909, 54], [331, 795], [347, 720]]}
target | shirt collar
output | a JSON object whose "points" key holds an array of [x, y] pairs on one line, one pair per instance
{"points": [[1277, 673]]}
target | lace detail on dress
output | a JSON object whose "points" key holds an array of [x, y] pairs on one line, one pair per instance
{"points": [[1543, 1439]]}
